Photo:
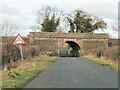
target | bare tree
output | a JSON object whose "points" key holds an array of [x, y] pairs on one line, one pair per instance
{"points": [[7, 27], [115, 26], [33, 28]]}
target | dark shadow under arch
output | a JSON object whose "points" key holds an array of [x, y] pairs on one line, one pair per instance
{"points": [[75, 48]]}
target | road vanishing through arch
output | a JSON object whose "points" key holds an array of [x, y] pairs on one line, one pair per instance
{"points": [[75, 72]]}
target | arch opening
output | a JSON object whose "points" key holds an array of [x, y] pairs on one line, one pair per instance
{"points": [[73, 48]]}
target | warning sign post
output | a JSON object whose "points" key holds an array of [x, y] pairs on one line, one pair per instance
{"points": [[21, 52], [19, 41]]}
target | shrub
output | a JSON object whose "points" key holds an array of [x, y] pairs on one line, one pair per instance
{"points": [[100, 52], [108, 52], [26, 52], [35, 51], [112, 53], [10, 53], [30, 51]]}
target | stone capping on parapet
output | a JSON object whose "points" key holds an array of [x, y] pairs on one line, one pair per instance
{"points": [[68, 35]]}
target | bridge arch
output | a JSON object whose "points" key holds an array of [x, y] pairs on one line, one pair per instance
{"points": [[73, 48]]}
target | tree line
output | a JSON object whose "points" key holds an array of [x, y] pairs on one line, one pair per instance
{"points": [[49, 19]]}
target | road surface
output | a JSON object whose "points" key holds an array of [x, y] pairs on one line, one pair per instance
{"points": [[74, 72]]}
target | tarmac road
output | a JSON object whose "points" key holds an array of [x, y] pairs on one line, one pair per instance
{"points": [[75, 72]]}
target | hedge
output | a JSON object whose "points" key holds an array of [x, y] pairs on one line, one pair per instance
{"points": [[108, 52], [11, 53]]}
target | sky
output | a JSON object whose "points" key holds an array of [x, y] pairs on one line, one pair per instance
{"points": [[24, 12]]}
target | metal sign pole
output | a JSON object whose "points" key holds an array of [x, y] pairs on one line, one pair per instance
{"points": [[21, 52]]}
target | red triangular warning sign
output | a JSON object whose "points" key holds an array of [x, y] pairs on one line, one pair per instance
{"points": [[19, 40]]}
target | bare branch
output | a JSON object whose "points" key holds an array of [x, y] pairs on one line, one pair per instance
{"points": [[115, 26], [7, 27]]}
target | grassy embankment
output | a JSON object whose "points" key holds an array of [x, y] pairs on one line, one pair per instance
{"points": [[26, 71], [103, 62]]}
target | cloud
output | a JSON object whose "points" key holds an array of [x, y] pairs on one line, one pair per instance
{"points": [[103, 9], [25, 11], [110, 23], [5, 8], [24, 22]]}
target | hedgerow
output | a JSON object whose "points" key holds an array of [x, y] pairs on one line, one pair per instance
{"points": [[11, 53], [111, 53]]}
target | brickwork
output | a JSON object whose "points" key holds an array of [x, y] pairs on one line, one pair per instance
{"points": [[68, 35], [46, 45], [113, 42], [54, 41]]}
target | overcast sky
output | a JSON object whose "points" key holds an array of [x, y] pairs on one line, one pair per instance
{"points": [[24, 12]]}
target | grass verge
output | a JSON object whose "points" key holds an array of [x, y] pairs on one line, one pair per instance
{"points": [[103, 62], [26, 71]]}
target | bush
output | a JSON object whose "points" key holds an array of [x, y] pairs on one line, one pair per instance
{"points": [[112, 53], [30, 51], [10, 53], [100, 52], [109, 53], [35, 51]]}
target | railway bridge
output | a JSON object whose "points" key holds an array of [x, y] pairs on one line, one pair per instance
{"points": [[75, 42]]}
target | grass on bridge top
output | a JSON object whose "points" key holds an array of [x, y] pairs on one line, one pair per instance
{"points": [[26, 71]]}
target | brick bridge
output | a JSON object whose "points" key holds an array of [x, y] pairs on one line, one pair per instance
{"points": [[53, 42]]}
